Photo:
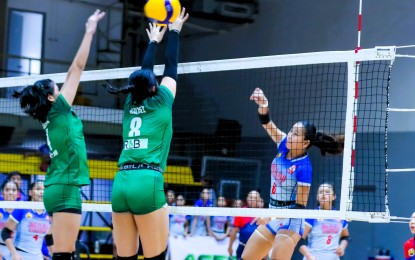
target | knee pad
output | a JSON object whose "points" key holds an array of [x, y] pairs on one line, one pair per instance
{"points": [[134, 257], [161, 256]]}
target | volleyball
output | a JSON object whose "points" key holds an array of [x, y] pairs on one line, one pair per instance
{"points": [[162, 12]]}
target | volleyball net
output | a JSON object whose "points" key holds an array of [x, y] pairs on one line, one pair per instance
{"points": [[218, 142]]}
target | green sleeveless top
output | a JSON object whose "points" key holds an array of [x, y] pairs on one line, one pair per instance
{"points": [[147, 129], [65, 138]]}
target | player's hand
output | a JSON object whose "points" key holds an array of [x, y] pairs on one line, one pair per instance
{"points": [[259, 97], [260, 221], [340, 250], [16, 256], [92, 23], [178, 24], [154, 33], [311, 257]]}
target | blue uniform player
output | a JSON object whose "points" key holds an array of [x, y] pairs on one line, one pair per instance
{"points": [[327, 238], [291, 174], [219, 227], [9, 191], [179, 224], [29, 227]]}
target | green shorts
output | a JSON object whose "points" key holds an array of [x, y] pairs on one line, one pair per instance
{"points": [[62, 198], [138, 191]]}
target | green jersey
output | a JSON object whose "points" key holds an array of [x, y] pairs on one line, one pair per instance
{"points": [[65, 138], [147, 129]]}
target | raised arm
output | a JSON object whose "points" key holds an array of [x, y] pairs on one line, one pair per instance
{"points": [[172, 52], [71, 84], [263, 112], [155, 36]]}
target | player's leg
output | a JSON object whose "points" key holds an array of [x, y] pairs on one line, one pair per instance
{"points": [[259, 244], [125, 235], [154, 230], [148, 203], [286, 239], [63, 203], [125, 231]]}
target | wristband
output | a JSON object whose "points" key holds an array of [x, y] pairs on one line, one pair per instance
{"points": [[264, 118]]}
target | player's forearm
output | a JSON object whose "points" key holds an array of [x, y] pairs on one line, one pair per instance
{"points": [[149, 55], [82, 54], [305, 251], [344, 243]]}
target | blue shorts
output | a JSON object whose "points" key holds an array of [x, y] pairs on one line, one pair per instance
{"points": [[293, 224]]}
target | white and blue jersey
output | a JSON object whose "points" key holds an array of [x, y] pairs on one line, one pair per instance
{"points": [[200, 227], [286, 175], [324, 237], [176, 224], [30, 232], [4, 215], [218, 224]]}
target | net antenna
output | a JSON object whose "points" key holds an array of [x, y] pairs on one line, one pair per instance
{"points": [[329, 72]]}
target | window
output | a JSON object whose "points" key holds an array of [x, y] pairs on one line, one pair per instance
{"points": [[25, 43]]}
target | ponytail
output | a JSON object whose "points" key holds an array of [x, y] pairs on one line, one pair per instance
{"points": [[326, 142], [329, 143], [140, 85], [34, 99]]}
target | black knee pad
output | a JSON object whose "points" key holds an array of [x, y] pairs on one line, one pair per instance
{"points": [[134, 257], [161, 256], [62, 256]]}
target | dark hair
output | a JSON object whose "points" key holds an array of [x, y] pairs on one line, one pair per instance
{"points": [[140, 84], [12, 174], [3, 185], [325, 142], [32, 186], [34, 99], [328, 184]]}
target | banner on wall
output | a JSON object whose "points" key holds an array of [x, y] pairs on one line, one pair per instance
{"points": [[199, 248]]}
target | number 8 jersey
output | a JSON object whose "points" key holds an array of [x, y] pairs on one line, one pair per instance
{"points": [[147, 129], [324, 237]]}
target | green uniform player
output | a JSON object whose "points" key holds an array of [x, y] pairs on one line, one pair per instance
{"points": [[147, 132], [138, 202], [68, 171]]}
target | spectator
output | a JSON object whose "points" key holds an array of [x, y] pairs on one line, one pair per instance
{"points": [[170, 198], [9, 191], [31, 226], [179, 224], [219, 227], [409, 246], [244, 225]]}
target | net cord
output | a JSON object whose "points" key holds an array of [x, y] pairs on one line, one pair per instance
{"points": [[216, 65]]}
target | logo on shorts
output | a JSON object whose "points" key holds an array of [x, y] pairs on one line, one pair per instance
{"points": [[133, 144], [411, 252], [29, 215]]}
